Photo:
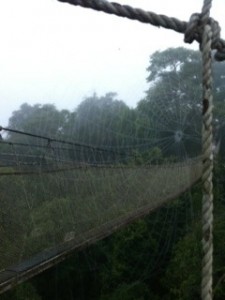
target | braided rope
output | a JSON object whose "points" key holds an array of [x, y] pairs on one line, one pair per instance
{"points": [[206, 11], [207, 199], [192, 29]]}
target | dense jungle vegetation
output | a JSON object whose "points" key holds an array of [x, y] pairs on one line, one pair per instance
{"points": [[156, 257]]}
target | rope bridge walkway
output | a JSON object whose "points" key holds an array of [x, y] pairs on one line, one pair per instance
{"points": [[122, 191], [88, 200]]}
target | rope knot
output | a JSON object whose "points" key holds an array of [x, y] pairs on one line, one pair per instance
{"points": [[194, 32]]}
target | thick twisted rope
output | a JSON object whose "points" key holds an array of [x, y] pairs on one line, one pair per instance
{"points": [[193, 29], [207, 200], [129, 12]]}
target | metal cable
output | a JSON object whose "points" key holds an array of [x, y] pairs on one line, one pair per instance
{"points": [[50, 140]]}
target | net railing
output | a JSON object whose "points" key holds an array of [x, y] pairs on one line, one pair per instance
{"points": [[58, 196]]}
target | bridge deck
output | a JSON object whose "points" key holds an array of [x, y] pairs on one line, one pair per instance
{"points": [[93, 204]]}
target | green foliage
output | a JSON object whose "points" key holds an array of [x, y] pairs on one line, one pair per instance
{"points": [[172, 101], [38, 119], [219, 230], [104, 121], [134, 291], [25, 291], [183, 274], [172, 60], [14, 218], [120, 267], [153, 156], [51, 221], [148, 157]]}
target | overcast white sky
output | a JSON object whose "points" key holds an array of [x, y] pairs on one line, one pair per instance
{"points": [[52, 52]]}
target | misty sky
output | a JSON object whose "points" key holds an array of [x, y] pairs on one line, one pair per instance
{"points": [[52, 52]]}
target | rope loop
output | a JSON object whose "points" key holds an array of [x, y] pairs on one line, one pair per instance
{"points": [[194, 32]]}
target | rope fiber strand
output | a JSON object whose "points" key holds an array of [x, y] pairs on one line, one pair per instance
{"points": [[207, 164], [207, 173]]}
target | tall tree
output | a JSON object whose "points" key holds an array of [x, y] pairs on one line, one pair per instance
{"points": [[104, 121], [45, 120], [173, 101]]}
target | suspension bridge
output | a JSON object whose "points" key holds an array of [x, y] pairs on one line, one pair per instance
{"points": [[79, 200], [55, 206]]}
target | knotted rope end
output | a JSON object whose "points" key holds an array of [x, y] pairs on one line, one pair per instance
{"points": [[194, 32]]}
